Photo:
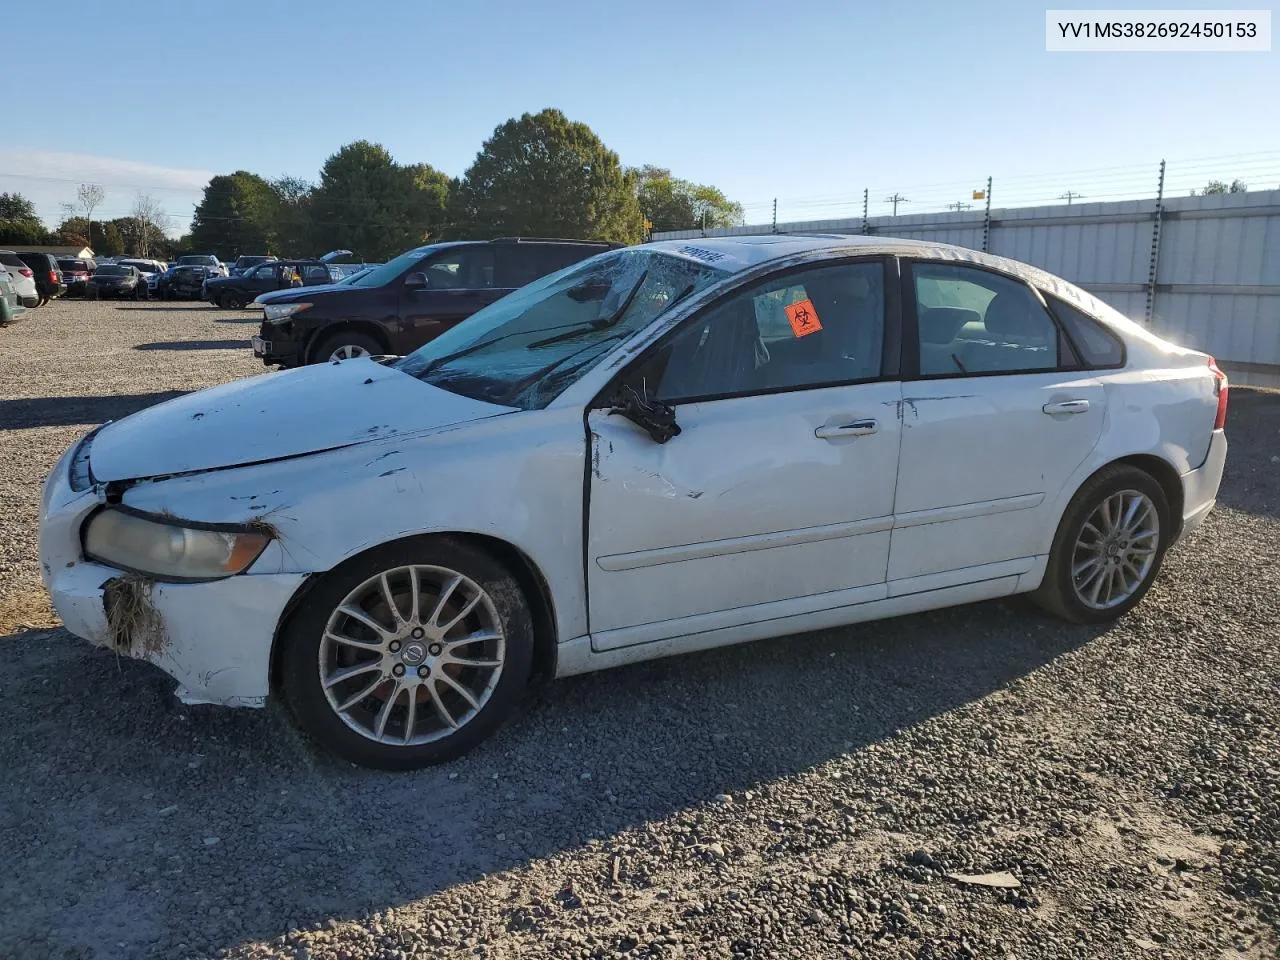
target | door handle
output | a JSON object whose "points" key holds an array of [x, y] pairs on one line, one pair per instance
{"points": [[1067, 406], [855, 428]]}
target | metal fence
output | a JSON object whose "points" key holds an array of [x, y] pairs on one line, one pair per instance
{"points": [[1203, 271]]}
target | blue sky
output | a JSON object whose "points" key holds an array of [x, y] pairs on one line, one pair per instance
{"points": [[809, 102]]}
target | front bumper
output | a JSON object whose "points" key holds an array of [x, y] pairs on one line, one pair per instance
{"points": [[283, 348], [213, 638], [1200, 486]]}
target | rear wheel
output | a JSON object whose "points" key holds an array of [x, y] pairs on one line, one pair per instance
{"points": [[345, 346], [408, 655], [232, 301], [1108, 548]]}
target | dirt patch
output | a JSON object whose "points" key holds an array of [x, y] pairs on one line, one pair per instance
{"points": [[25, 609]]}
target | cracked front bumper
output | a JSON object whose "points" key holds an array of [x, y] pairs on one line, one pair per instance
{"points": [[213, 638]]}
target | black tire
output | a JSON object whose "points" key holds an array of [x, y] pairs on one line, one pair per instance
{"points": [[139, 294], [335, 341], [42, 301], [232, 301], [300, 654], [1057, 593]]}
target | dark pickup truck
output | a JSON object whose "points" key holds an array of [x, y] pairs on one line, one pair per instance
{"points": [[398, 306]]}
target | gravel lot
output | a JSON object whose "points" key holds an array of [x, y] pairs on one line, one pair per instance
{"points": [[798, 797]]}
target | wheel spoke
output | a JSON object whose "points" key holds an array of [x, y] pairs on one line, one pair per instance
{"points": [[1090, 565], [445, 715], [462, 614], [1139, 520], [412, 715], [390, 599], [359, 669], [355, 613], [355, 698], [463, 692], [1145, 535], [1138, 503], [385, 713], [1097, 534], [415, 595], [443, 599], [468, 662], [352, 642], [1097, 586]]}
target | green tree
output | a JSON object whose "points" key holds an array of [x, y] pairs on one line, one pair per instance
{"points": [[106, 239], [139, 237], [14, 206], [237, 215], [669, 203], [368, 203], [72, 232], [292, 223], [543, 175], [1218, 186], [23, 232]]}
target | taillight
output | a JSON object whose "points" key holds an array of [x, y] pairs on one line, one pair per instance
{"points": [[26, 272], [1220, 391], [54, 278]]}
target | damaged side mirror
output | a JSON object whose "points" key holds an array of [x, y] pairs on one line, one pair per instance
{"points": [[656, 418]]}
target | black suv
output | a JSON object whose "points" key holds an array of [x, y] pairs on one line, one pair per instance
{"points": [[397, 307], [48, 275], [235, 291]]}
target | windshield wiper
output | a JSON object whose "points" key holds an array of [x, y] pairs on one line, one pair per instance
{"points": [[523, 383], [600, 323], [439, 362]]}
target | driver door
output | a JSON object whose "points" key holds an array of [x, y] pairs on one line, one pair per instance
{"points": [[777, 497], [458, 282]]}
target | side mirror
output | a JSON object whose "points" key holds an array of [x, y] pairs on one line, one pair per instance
{"points": [[654, 417], [416, 280]]}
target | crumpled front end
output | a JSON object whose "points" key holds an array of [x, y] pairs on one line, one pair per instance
{"points": [[214, 638]]}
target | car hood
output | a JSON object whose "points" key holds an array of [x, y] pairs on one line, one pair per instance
{"points": [[296, 294], [275, 416]]}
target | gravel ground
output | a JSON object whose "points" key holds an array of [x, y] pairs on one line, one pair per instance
{"points": [[797, 797]]}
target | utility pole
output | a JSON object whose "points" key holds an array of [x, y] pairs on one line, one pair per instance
{"points": [[1069, 196], [866, 224], [986, 218], [895, 200], [1157, 223], [959, 205], [775, 214]]}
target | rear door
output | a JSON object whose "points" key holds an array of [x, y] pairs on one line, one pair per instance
{"points": [[459, 281], [994, 422], [261, 279]]}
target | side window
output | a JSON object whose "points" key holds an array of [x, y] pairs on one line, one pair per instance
{"points": [[262, 273], [315, 273], [1097, 346], [822, 325], [974, 321], [464, 268]]}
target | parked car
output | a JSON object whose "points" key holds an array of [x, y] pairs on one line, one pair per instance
{"points": [[402, 304], [11, 307], [47, 275], [234, 292], [75, 274], [150, 270], [245, 262], [184, 282], [23, 277], [215, 265], [117, 281], [665, 448]]}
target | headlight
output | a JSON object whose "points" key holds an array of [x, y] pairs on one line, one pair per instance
{"points": [[170, 551], [282, 311]]}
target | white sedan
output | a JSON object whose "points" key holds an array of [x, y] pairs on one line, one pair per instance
{"points": [[661, 449]]}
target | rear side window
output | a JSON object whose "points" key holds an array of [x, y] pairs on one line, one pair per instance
{"points": [[1096, 345], [11, 260]]}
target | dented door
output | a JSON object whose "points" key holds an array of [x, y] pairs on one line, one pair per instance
{"points": [[759, 500]]}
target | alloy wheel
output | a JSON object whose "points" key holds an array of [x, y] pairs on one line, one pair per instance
{"points": [[411, 655], [1115, 550], [348, 352]]}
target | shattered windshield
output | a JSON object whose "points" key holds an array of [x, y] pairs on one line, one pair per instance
{"points": [[526, 348]]}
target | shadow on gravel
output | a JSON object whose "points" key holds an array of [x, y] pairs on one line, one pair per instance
{"points": [[1253, 453], [255, 320], [171, 305], [224, 826], [74, 411], [195, 345]]}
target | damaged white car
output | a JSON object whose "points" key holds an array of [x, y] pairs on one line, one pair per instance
{"points": [[661, 449]]}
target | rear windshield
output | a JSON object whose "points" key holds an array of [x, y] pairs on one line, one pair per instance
{"points": [[11, 260], [198, 260], [112, 271], [73, 266]]}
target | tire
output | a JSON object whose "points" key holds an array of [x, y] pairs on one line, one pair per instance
{"points": [[354, 344], [42, 301], [309, 655], [138, 294], [1068, 592], [232, 301]]}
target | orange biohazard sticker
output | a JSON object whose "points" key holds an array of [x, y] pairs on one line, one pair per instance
{"points": [[803, 318]]}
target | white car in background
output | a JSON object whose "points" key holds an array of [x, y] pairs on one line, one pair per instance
{"points": [[660, 449], [23, 277]]}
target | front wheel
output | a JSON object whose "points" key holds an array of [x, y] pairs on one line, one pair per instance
{"points": [[232, 301], [345, 346], [1108, 548], [408, 655]]}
